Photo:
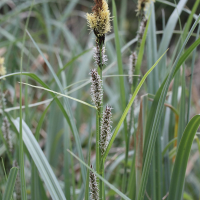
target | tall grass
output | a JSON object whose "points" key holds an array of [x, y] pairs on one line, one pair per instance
{"points": [[62, 144]]}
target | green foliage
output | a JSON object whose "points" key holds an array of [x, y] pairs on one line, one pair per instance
{"points": [[53, 128]]}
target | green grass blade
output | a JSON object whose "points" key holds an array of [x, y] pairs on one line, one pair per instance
{"points": [[37, 131], [88, 171], [128, 107], [104, 180], [191, 78], [37, 188], [10, 184], [21, 149], [170, 26], [178, 174], [152, 53], [140, 55], [189, 21], [168, 146], [122, 88], [168, 32], [64, 95], [41, 162], [120, 65]]}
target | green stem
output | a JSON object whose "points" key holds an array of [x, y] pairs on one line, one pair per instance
{"points": [[97, 142], [101, 185], [101, 170]]}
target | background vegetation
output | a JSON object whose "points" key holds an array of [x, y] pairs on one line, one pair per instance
{"points": [[47, 43]]}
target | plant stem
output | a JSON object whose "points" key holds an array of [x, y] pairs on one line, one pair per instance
{"points": [[97, 142], [101, 185], [101, 167]]}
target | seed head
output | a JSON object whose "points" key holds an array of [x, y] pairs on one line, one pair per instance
{"points": [[94, 190], [100, 60], [142, 6], [2, 67], [2, 100], [105, 129], [99, 20], [6, 133], [132, 64], [141, 30], [96, 88]]}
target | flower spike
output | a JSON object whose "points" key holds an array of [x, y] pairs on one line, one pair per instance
{"points": [[105, 129], [96, 88], [132, 65], [99, 20], [94, 190]]}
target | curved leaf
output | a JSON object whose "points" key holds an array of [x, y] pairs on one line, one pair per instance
{"points": [[41, 162], [178, 174]]}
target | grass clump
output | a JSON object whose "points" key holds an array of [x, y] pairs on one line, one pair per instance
{"points": [[142, 94]]}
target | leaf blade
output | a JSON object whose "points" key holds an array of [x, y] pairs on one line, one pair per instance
{"points": [[178, 174], [10, 184]]}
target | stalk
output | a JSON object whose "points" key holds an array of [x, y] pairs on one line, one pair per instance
{"points": [[97, 143], [99, 23], [101, 185], [101, 168]]}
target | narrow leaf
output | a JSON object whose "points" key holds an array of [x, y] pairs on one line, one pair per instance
{"points": [[10, 184], [178, 174], [41, 162]]}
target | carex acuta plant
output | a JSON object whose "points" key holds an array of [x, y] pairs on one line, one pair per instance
{"points": [[99, 23]]}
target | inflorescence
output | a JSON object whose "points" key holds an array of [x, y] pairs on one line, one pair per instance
{"points": [[132, 65], [99, 20], [94, 191], [7, 134], [96, 88], [141, 30], [2, 100], [18, 182], [105, 129], [100, 59], [142, 6]]}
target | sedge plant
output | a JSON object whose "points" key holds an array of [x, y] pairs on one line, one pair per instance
{"points": [[46, 122]]}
